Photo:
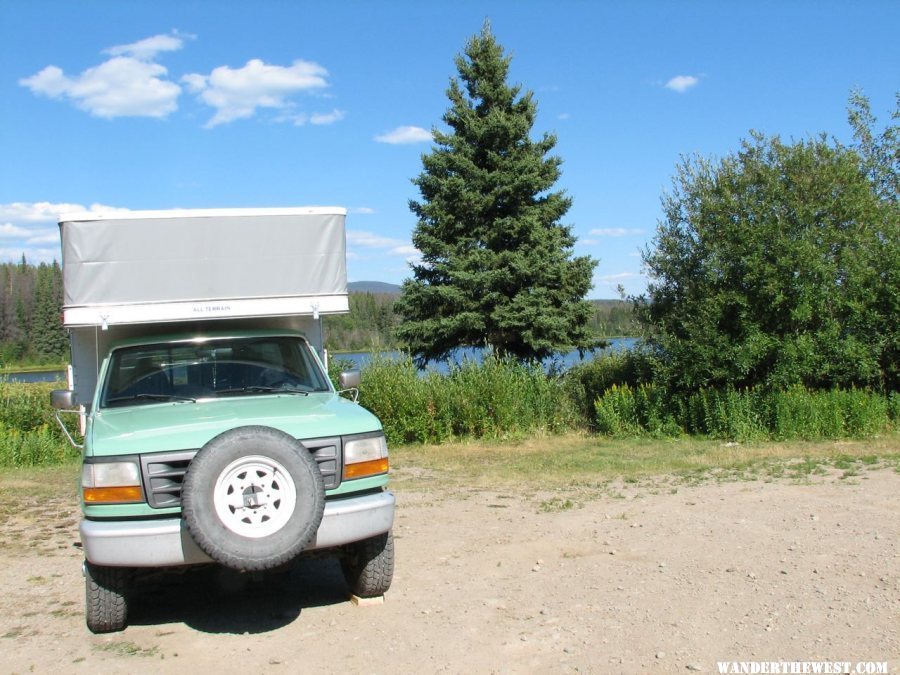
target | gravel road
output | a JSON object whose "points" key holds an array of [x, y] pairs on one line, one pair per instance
{"points": [[656, 578]]}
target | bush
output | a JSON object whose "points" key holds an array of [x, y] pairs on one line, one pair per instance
{"points": [[29, 433], [587, 381], [750, 414], [494, 398]]}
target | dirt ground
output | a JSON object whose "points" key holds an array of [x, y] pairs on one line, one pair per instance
{"points": [[656, 578]]}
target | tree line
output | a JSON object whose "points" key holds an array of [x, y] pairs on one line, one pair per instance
{"points": [[373, 322], [31, 330]]}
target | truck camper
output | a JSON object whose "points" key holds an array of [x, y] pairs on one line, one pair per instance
{"points": [[212, 433]]}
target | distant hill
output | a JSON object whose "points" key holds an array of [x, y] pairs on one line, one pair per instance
{"points": [[379, 287]]}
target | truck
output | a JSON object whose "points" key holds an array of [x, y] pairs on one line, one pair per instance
{"points": [[212, 433]]}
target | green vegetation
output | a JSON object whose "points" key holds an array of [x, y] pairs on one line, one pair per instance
{"points": [[497, 265], [780, 266], [576, 465], [372, 323], [749, 414], [31, 331], [497, 399], [502, 398], [29, 434]]}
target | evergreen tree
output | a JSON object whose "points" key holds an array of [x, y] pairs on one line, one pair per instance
{"points": [[48, 336], [497, 266]]}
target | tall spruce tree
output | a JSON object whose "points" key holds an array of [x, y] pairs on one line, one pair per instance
{"points": [[497, 267]]}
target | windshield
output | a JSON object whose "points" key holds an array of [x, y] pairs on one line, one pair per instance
{"points": [[216, 368]]}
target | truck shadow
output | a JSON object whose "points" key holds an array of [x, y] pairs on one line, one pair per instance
{"points": [[214, 599]]}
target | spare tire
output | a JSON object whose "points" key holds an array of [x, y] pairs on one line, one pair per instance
{"points": [[253, 498]]}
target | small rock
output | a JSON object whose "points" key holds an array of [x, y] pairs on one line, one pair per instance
{"points": [[694, 666], [729, 569], [660, 655]]}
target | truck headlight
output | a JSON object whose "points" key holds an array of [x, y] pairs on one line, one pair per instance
{"points": [[365, 457], [111, 483]]}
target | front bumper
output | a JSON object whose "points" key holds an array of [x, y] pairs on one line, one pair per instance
{"points": [[165, 542]]}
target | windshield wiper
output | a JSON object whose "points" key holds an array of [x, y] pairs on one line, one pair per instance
{"points": [[264, 389], [151, 397]]}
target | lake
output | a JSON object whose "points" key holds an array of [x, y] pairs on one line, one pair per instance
{"points": [[360, 359], [561, 362], [39, 376]]}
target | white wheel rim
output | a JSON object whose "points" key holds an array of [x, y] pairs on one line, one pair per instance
{"points": [[254, 496]]}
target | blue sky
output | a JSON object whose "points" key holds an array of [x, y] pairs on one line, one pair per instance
{"points": [[202, 104]]}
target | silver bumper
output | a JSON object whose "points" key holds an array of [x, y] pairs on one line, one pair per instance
{"points": [[165, 542]]}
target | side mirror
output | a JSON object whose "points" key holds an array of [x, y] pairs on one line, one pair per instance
{"points": [[349, 379], [62, 399]]}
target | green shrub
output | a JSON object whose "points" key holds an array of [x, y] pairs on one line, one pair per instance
{"points": [[29, 433], [494, 399], [587, 381], [750, 414]]}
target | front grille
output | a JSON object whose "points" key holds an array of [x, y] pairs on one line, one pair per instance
{"points": [[163, 473]]}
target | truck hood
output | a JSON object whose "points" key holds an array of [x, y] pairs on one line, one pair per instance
{"points": [[170, 426]]}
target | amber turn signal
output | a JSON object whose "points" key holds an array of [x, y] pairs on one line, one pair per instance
{"points": [[370, 468], [113, 495]]}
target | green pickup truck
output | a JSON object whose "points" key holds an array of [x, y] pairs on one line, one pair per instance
{"points": [[220, 439]]}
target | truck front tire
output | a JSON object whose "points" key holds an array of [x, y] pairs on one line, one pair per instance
{"points": [[253, 498], [368, 565], [106, 602]]}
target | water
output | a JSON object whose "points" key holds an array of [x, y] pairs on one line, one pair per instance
{"points": [[560, 362], [361, 359], [40, 376]]}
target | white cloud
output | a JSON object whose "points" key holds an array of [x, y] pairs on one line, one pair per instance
{"points": [[616, 232], [237, 93], [148, 48], [120, 87], [620, 276], [681, 83], [10, 231], [371, 240], [30, 228], [130, 83], [127, 85], [387, 245], [327, 118], [362, 210], [48, 212], [405, 136]]}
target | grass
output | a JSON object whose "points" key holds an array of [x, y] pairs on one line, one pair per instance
{"points": [[564, 466], [31, 490], [43, 368], [126, 648], [574, 460]]}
